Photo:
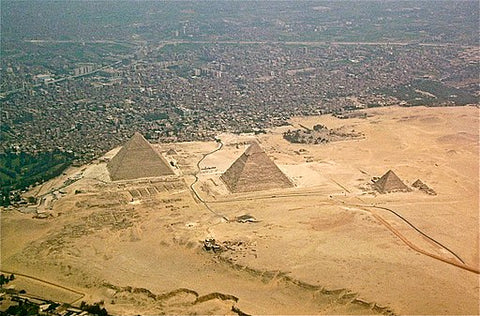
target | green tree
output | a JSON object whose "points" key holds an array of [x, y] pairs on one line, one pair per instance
{"points": [[16, 197], [31, 199], [5, 198]]}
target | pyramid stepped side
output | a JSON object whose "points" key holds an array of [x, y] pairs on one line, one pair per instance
{"points": [[254, 148], [231, 176], [137, 159], [419, 184], [261, 174], [423, 187], [390, 182], [254, 171]]}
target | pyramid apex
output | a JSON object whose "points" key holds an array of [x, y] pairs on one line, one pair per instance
{"points": [[390, 182], [137, 159], [418, 182], [254, 171], [137, 135], [390, 175], [254, 148]]}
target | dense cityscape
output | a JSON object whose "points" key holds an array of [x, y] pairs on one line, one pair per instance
{"points": [[314, 157], [190, 92], [196, 75]]}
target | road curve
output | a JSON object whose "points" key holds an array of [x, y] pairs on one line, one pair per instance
{"points": [[463, 265], [192, 186], [420, 232], [419, 250]]}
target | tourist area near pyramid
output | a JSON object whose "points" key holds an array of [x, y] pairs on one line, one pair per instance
{"points": [[384, 222]]}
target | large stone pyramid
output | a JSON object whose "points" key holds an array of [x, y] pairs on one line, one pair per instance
{"points": [[390, 182], [254, 171], [137, 159]]}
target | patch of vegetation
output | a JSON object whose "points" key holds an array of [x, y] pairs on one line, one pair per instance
{"points": [[182, 70], [23, 308], [303, 136], [94, 309], [5, 279], [320, 134], [20, 170], [429, 92], [155, 116]]}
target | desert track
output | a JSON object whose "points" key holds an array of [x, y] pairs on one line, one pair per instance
{"points": [[82, 295], [192, 186], [365, 207], [420, 232], [419, 250]]}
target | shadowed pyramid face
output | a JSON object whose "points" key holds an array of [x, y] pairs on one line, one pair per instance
{"points": [[137, 159], [254, 171]]}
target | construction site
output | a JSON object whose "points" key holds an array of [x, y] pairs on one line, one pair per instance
{"points": [[253, 224]]}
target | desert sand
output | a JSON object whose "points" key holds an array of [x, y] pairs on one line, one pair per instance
{"points": [[329, 245]]}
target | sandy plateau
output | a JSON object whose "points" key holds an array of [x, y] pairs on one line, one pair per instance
{"points": [[329, 245]]}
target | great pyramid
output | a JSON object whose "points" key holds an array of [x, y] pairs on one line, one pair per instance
{"points": [[390, 182], [254, 171], [137, 159]]}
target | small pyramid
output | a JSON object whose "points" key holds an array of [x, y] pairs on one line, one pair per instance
{"points": [[390, 182], [171, 152], [254, 171], [423, 187], [418, 184], [137, 159]]}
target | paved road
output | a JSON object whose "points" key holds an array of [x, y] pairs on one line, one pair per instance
{"points": [[7, 93], [419, 250], [318, 43], [366, 207], [192, 186]]}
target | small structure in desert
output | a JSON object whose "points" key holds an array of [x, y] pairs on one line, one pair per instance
{"points": [[138, 159], [254, 171], [390, 182], [171, 152], [423, 187], [246, 218]]}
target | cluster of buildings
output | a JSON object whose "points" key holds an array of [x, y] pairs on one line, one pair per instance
{"points": [[15, 303], [192, 91]]}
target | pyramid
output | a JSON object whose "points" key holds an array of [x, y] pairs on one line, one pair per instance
{"points": [[390, 182], [254, 171], [171, 152], [423, 187], [137, 159], [418, 184]]}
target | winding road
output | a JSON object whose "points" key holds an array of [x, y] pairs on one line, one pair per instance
{"points": [[463, 266], [420, 232], [192, 186], [365, 207]]}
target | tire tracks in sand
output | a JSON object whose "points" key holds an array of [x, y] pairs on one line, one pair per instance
{"points": [[49, 283]]}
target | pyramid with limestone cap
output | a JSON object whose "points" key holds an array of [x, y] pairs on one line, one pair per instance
{"points": [[137, 159], [254, 171], [390, 182]]}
